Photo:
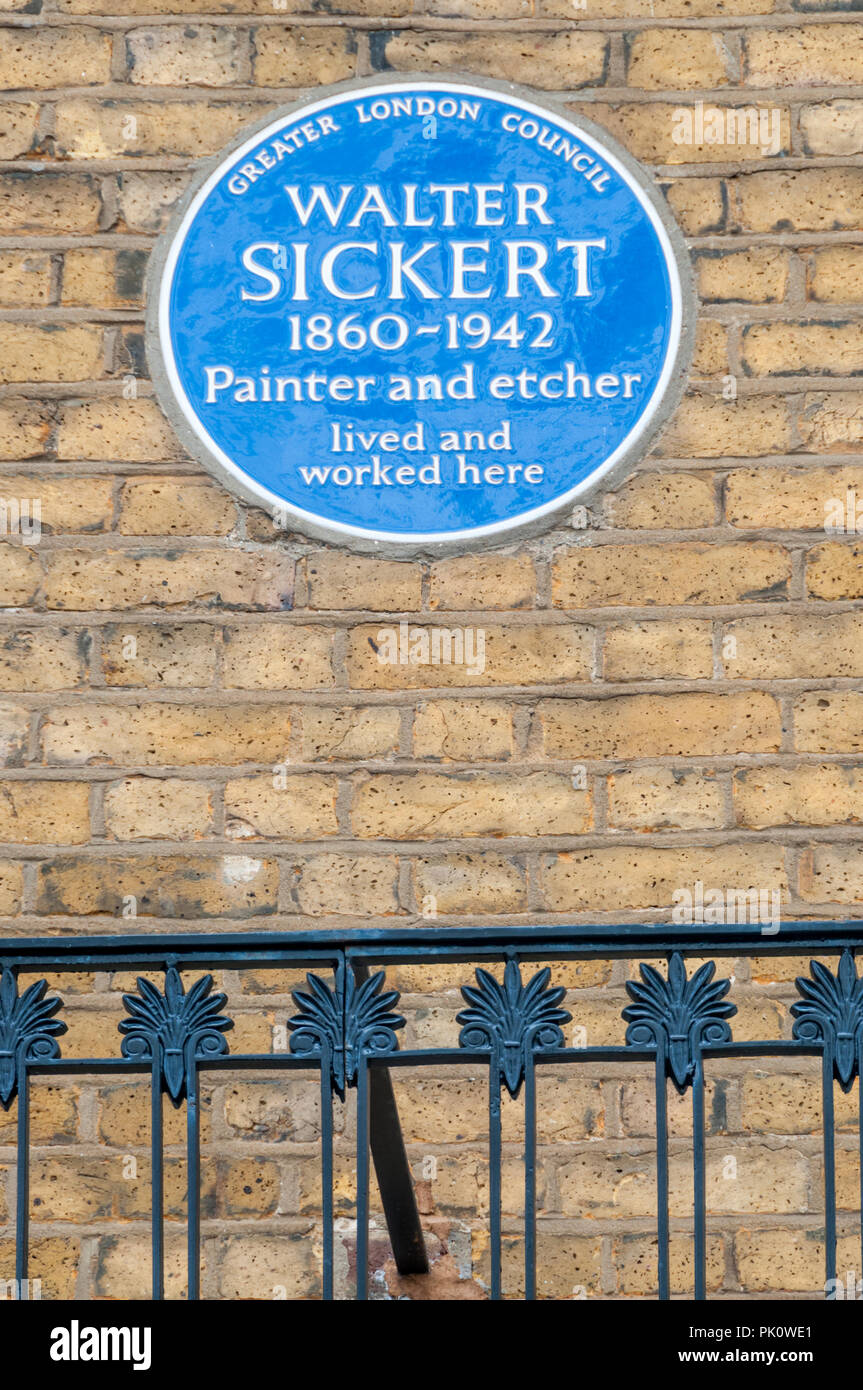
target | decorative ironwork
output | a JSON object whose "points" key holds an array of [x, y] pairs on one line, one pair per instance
{"points": [[831, 1012], [678, 1015], [28, 1030], [361, 1021], [513, 1019], [187, 1026]]}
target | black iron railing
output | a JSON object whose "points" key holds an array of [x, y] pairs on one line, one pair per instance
{"points": [[345, 1032]]}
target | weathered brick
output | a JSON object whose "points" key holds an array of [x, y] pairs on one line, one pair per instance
{"points": [[336, 580], [420, 806], [65, 504], [658, 798], [55, 352], [512, 655], [132, 431], [34, 813], [55, 57], [25, 276], [620, 575], [619, 879], [636, 1262], [834, 128], [162, 657], [788, 499], [164, 886], [785, 646], [836, 275], [20, 574], [43, 659], [103, 277], [278, 657], [829, 721], [14, 723], [643, 726], [708, 427], [804, 55], [551, 61], [165, 507], [670, 133], [43, 202], [146, 201], [124, 579], [832, 873], [87, 129], [758, 275], [202, 55], [771, 349], [350, 732], [302, 57], [814, 794], [147, 808], [802, 200], [10, 888], [303, 809], [18, 127], [25, 428], [835, 571], [161, 734], [463, 730], [652, 651], [469, 883], [54, 1261], [486, 581], [658, 501], [677, 58], [345, 885], [699, 205], [268, 1266], [831, 422]]}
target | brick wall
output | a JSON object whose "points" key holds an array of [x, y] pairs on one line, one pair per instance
{"points": [[670, 694]]}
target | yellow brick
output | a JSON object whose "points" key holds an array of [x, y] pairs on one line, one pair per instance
{"points": [[97, 130], [836, 275], [832, 874], [268, 1266], [18, 125], [55, 58], [551, 61], [351, 732], [123, 1269], [421, 806], [302, 57], [65, 504], [829, 721], [785, 1261], [664, 132], [635, 1261], [791, 499], [803, 200], [121, 579], [513, 655], [334, 579], [181, 507], [56, 352], [146, 201], [660, 501], [699, 205], [834, 128], [463, 730], [156, 734], [832, 422], [14, 722], [664, 798], [483, 581], [10, 888], [835, 571], [25, 276], [677, 58], [643, 726], [708, 427], [54, 1261], [822, 348], [145, 808], [128, 431], [25, 428], [203, 55], [788, 1104], [53, 1112], [346, 885], [43, 659], [758, 275], [789, 645], [169, 886], [42, 202], [653, 651], [303, 809], [825, 794], [34, 813], [278, 657], [20, 575], [104, 278], [162, 657], [469, 883], [620, 879], [612, 575], [804, 54]]}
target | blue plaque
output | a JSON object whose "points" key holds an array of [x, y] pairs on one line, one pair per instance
{"points": [[420, 313]]}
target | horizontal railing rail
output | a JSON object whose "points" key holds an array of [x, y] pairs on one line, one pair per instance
{"points": [[345, 1032]]}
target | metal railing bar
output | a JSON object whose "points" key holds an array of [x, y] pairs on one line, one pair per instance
{"points": [[327, 1200], [529, 1176], [662, 1216], [22, 1195], [699, 1183], [494, 1174], [193, 1176], [362, 1244], [829, 1165], [157, 1176]]}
